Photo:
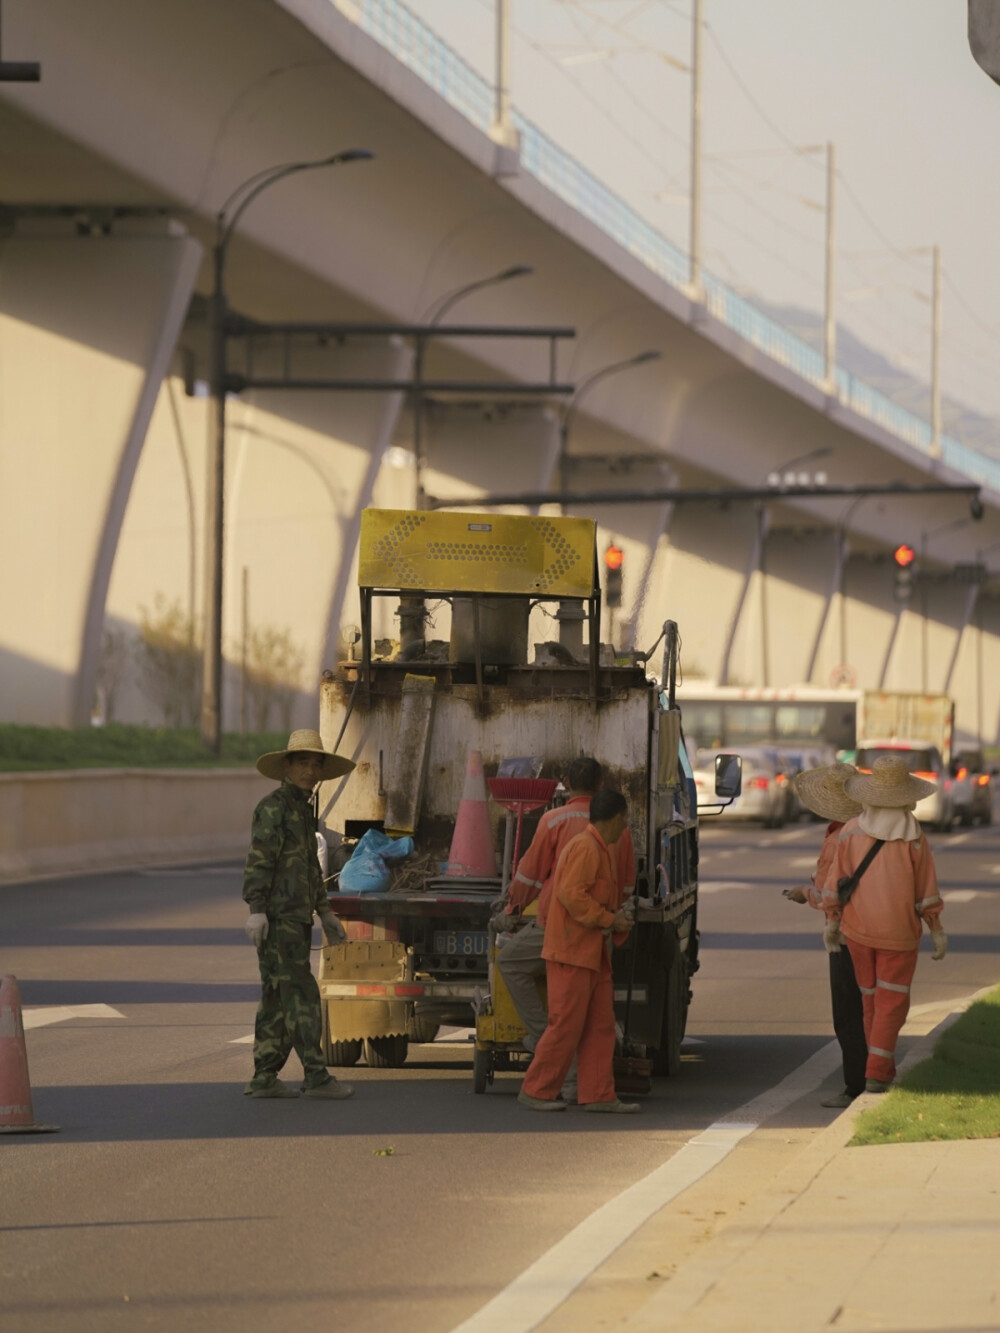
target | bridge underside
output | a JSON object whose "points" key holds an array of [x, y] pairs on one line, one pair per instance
{"points": [[103, 360]]}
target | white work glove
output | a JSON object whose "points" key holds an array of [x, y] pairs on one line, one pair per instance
{"points": [[256, 928], [622, 923], [333, 931], [832, 937], [940, 940]]}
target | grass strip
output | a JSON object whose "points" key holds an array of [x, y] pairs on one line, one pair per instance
{"points": [[953, 1095], [47, 749]]}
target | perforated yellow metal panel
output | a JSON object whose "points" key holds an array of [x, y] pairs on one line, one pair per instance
{"points": [[505, 553]]}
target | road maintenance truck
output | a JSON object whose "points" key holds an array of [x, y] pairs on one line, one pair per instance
{"points": [[410, 713]]}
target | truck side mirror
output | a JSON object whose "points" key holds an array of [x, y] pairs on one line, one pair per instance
{"points": [[728, 775]]}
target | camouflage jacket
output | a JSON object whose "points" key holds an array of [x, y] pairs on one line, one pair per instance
{"points": [[282, 875]]}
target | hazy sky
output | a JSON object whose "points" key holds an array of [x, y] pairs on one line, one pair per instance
{"points": [[892, 82]]}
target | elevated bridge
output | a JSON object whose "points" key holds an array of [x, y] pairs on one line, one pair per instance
{"points": [[114, 166]]}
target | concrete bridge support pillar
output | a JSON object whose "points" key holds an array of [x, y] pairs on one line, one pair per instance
{"points": [[87, 328]]}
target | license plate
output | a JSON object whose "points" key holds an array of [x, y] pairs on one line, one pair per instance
{"points": [[461, 943]]}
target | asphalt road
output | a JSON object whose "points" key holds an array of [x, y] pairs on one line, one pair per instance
{"points": [[170, 1201]]}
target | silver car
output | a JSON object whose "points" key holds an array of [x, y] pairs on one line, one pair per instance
{"points": [[762, 797]]}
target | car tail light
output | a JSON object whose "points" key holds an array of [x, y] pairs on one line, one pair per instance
{"points": [[781, 780], [759, 783], [928, 777], [961, 775], [983, 780]]}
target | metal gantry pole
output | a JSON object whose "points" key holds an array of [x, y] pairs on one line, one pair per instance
{"points": [[211, 674], [936, 354], [830, 340], [696, 72]]}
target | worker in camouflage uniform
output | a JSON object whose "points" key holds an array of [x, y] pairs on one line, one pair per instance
{"points": [[283, 886]]}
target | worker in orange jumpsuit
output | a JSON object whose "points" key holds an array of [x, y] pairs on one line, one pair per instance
{"points": [[882, 920], [519, 959], [821, 790], [585, 914]]}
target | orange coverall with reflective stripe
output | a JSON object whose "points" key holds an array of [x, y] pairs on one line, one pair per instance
{"points": [[533, 880], [585, 897], [882, 925]]}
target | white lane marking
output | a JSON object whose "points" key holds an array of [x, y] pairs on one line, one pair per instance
{"points": [[799, 861], [993, 870], [959, 895], [721, 885], [543, 1287], [958, 838], [242, 1041], [60, 1013], [791, 835]]}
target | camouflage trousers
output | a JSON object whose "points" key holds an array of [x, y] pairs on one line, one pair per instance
{"points": [[289, 1015]]}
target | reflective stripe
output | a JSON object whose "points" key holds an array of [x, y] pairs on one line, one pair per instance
{"points": [[569, 814], [865, 991], [877, 1050], [928, 902], [532, 883], [891, 985]]}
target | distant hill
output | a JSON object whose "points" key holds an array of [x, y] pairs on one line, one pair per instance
{"points": [[972, 428]]}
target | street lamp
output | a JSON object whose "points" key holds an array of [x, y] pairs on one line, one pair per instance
{"points": [[432, 316], [775, 478], [583, 388], [225, 224]]}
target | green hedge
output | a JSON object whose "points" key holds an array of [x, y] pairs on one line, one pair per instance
{"points": [[24, 749]]}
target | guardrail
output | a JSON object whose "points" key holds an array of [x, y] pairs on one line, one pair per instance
{"points": [[422, 50]]}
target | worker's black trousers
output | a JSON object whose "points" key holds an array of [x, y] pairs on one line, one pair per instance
{"points": [[848, 1020]]}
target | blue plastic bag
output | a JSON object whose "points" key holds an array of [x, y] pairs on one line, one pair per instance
{"points": [[368, 871]]}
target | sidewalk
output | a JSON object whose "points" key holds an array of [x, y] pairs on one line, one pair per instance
{"points": [[902, 1237]]}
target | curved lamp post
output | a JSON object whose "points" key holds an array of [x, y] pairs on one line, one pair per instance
{"points": [[432, 316], [762, 529], [225, 224], [583, 388]]}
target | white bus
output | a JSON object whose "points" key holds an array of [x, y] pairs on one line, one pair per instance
{"points": [[731, 717]]}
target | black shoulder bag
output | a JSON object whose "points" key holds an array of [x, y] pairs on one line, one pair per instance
{"points": [[847, 884]]}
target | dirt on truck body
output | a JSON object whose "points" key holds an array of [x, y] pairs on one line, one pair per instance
{"points": [[416, 956]]}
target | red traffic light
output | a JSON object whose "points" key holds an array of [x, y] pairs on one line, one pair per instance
{"points": [[904, 555], [614, 557]]}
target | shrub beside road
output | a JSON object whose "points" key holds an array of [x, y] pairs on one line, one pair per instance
{"points": [[953, 1095], [47, 749]]}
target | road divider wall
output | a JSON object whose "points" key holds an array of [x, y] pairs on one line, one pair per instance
{"points": [[115, 818]]}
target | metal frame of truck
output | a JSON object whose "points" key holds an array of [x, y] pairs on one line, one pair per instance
{"points": [[391, 980]]}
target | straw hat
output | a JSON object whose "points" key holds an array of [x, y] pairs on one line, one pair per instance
{"points": [[821, 790], [303, 742], [890, 784]]}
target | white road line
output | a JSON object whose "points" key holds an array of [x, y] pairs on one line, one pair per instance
{"points": [[43, 1018], [797, 862], [242, 1041], [959, 895], [543, 1287], [958, 838], [721, 885]]}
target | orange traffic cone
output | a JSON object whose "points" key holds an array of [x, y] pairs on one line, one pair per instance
{"points": [[16, 1113], [472, 852]]}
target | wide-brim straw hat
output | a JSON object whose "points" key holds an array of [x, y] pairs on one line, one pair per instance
{"points": [[890, 784], [272, 765], [822, 790]]}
